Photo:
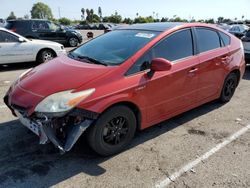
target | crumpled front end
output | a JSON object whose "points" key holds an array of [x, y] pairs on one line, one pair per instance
{"points": [[62, 129]]}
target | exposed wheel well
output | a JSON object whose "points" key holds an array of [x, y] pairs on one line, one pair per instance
{"points": [[40, 51], [132, 107], [237, 72]]}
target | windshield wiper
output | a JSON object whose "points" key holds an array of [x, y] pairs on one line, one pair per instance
{"points": [[92, 60]]}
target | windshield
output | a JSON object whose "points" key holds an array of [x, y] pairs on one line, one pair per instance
{"points": [[115, 47]]}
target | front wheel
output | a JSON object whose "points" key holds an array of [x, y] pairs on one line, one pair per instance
{"points": [[229, 87], [73, 42], [45, 56], [113, 131]]}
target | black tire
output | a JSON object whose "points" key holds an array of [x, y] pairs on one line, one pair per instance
{"points": [[229, 87], [45, 56], [115, 121], [73, 41]]}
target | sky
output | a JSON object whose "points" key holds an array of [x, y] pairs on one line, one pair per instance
{"points": [[199, 9]]}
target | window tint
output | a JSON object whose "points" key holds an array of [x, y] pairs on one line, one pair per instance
{"points": [[248, 34], [115, 47], [6, 37], [225, 38], [39, 25], [142, 64], [177, 46], [207, 39]]}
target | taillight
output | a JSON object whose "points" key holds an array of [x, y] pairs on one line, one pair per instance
{"points": [[13, 29]]}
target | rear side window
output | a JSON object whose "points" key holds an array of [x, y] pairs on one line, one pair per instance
{"points": [[177, 46], [207, 39], [225, 38]]}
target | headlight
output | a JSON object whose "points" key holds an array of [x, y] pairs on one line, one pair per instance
{"points": [[62, 101]]}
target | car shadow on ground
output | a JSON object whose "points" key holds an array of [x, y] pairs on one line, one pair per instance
{"points": [[247, 73], [17, 66], [21, 158]]}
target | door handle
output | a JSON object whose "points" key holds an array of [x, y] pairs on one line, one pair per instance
{"points": [[225, 59], [193, 70]]}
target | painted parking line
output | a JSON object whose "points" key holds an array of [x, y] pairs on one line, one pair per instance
{"points": [[191, 165], [3, 106]]}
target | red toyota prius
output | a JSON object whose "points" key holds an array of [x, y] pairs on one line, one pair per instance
{"points": [[126, 80]]}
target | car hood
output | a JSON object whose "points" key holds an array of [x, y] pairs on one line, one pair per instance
{"points": [[61, 74]]}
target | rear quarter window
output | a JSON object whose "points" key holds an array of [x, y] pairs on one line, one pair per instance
{"points": [[225, 38], [207, 39]]}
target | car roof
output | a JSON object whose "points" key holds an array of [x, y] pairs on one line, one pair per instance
{"points": [[27, 20], [159, 26]]}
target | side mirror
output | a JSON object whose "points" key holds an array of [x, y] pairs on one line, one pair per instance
{"points": [[21, 40], [160, 64]]}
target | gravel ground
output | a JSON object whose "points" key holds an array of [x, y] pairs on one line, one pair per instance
{"points": [[154, 155]]}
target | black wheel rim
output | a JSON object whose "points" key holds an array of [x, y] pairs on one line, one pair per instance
{"points": [[229, 88], [115, 131]]}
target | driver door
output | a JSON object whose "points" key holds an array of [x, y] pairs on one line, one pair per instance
{"points": [[12, 50]]}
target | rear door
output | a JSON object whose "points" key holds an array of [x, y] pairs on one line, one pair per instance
{"points": [[214, 57], [43, 30]]}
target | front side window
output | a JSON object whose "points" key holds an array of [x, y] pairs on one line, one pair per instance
{"points": [[53, 26], [113, 48], [7, 37], [175, 47], [207, 39]]}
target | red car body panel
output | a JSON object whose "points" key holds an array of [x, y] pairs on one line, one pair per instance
{"points": [[191, 82]]}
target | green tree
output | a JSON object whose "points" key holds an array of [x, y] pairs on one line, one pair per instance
{"points": [[211, 21], [164, 19], [26, 16], [128, 21], [220, 19], [83, 13], [11, 16], [64, 21], [41, 11], [114, 18], [100, 12]]}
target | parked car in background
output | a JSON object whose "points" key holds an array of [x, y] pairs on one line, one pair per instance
{"points": [[224, 26], [45, 30], [2, 22], [246, 43], [15, 49], [126, 80], [238, 30]]}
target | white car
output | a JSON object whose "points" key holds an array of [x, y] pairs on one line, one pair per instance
{"points": [[15, 49]]}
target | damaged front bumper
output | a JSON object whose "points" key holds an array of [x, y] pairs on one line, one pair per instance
{"points": [[63, 130]]}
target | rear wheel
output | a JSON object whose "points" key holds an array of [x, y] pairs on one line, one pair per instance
{"points": [[113, 131], [229, 87], [45, 56]]}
